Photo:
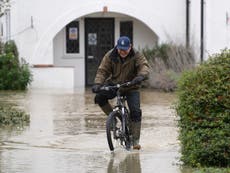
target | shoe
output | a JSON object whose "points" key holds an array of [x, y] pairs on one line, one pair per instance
{"points": [[135, 128], [137, 147]]}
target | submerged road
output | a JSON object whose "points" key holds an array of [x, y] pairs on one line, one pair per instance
{"points": [[67, 134]]}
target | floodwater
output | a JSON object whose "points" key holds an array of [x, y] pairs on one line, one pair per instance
{"points": [[67, 134]]}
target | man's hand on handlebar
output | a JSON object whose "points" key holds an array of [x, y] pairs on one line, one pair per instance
{"points": [[96, 88], [137, 80]]}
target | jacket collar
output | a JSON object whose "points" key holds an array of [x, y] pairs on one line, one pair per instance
{"points": [[114, 54]]}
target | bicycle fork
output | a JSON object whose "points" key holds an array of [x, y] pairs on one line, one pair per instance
{"points": [[125, 129]]}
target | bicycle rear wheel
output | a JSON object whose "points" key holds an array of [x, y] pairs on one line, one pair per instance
{"points": [[113, 130]]}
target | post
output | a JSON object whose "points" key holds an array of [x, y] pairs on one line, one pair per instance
{"points": [[202, 31], [187, 23]]}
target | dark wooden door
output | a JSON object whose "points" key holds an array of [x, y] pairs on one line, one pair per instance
{"points": [[99, 38]]}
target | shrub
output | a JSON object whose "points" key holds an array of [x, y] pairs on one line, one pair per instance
{"points": [[204, 110], [212, 170], [13, 74], [10, 47], [167, 61], [12, 116]]}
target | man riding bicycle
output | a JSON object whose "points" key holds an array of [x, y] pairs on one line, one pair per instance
{"points": [[123, 63]]}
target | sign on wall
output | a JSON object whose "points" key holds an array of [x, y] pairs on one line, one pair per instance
{"points": [[73, 33], [92, 39]]}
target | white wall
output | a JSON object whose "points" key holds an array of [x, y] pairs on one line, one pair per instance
{"points": [[166, 18], [73, 61], [53, 77], [76, 61], [35, 44], [142, 35], [218, 29]]}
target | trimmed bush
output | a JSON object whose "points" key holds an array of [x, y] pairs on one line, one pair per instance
{"points": [[204, 113], [13, 74], [212, 170]]}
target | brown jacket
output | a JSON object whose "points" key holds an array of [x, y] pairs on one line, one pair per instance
{"points": [[113, 70]]}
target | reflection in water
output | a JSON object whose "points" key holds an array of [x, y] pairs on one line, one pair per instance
{"points": [[129, 164], [67, 134]]}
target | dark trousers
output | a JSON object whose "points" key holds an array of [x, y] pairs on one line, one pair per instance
{"points": [[133, 100]]}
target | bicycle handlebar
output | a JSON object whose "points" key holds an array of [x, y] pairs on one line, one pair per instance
{"points": [[116, 86]]}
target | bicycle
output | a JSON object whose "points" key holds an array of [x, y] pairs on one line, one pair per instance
{"points": [[117, 124]]}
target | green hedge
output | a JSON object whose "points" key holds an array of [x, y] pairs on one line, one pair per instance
{"points": [[13, 74], [206, 170], [204, 110]]}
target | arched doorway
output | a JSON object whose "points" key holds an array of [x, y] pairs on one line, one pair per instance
{"points": [[98, 33]]}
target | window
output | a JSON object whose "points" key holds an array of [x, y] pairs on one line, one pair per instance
{"points": [[126, 29], [72, 37]]}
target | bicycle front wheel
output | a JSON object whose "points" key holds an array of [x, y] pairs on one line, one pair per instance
{"points": [[113, 130]]}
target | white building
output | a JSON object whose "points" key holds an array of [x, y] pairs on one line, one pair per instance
{"points": [[64, 41]]}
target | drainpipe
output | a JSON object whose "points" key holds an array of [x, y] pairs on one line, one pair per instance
{"points": [[187, 23], [8, 24], [202, 30]]}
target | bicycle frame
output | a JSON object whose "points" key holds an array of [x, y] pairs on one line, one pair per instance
{"points": [[120, 107]]}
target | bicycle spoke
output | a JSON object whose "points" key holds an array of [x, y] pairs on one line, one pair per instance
{"points": [[113, 130]]}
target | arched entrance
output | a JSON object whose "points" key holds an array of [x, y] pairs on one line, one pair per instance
{"points": [[84, 62]]}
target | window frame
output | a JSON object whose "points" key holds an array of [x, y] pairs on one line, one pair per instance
{"points": [[66, 35]]}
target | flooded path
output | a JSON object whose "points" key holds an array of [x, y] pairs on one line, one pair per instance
{"points": [[67, 134]]}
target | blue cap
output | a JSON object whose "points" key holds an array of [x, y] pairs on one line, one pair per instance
{"points": [[123, 43]]}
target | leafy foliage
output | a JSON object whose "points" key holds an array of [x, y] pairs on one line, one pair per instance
{"points": [[204, 111], [12, 116], [13, 74], [205, 170], [213, 170], [10, 47]]}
